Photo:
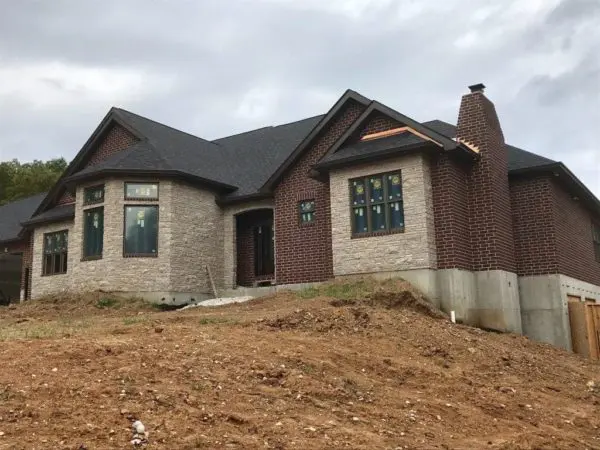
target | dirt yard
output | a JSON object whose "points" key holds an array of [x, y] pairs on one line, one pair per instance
{"points": [[347, 366]]}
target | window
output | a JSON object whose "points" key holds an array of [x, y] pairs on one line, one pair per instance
{"points": [[141, 191], [93, 233], [93, 195], [376, 204], [307, 211], [55, 253], [596, 234], [141, 231]]}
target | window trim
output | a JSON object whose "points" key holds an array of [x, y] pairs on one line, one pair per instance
{"points": [[141, 205], [386, 202], [141, 199], [93, 202], [64, 254], [596, 243], [83, 240], [300, 212]]}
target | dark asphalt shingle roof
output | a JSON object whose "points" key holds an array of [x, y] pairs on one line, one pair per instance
{"points": [[12, 214], [517, 157], [372, 148], [53, 215]]}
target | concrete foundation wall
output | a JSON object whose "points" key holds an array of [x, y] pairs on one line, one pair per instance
{"points": [[458, 293], [497, 306]]}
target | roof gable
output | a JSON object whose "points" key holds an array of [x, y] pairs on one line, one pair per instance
{"points": [[348, 97]]}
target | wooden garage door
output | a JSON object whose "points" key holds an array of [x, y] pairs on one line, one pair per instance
{"points": [[584, 318]]}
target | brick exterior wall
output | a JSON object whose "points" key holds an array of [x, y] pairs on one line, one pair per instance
{"points": [[574, 241], [534, 225], [491, 228], [230, 260], [116, 139], [413, 249], [449, 180], [304, 252], [379, 123]]}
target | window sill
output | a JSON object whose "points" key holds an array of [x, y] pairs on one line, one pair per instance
{"points": [[53, 274], [377, 233], [307, 224], [140, 255], [140, 199], [99, 202], [91, 258]]}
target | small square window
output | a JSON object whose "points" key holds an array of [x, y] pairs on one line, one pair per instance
{"points": [[307, 211], [94, 194], [141, 191]]}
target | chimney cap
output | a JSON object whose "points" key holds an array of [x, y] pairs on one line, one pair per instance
{"points": [[477, 87]]}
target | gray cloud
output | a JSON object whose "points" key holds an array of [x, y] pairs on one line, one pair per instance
{"points": [[219, 67]]}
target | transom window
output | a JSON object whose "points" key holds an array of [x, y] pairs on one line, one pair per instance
{"points": [[306, 210], [94, 194], [596, 234], [55, 253], [141, 191], [376, 204], [93, 233], [141, 231]]}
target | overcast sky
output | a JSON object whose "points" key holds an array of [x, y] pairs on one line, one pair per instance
{"points": [[219, 67]]}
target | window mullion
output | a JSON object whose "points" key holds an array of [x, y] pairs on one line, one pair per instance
{"points": [[368, 204]]}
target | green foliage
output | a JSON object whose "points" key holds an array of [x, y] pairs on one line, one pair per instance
{"points": [[18, 180], [107, 302]]}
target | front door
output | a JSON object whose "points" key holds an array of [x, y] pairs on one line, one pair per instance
{"points": [[264, 251]]}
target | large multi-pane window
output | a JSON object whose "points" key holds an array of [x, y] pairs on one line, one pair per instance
{"points": [[141, 231], [596, 234], [93, 233], [376, 203], [55, 253]]}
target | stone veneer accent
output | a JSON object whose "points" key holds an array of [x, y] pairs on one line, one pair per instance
{"points": [[189, 238], [413, 249], [229, 230]]}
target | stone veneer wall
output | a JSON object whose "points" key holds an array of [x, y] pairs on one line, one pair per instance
{"points": [[196, 240], [229, 240], [113, 272], [413, 249]]}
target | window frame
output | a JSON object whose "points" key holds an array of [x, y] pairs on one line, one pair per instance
{"points": [[63, 258], [142, 199], [140, 205], [87, 202], [386, 202], [301, 211], [85, 257], [596, 240]]}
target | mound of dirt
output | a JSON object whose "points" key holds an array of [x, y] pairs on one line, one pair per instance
{"points": [[322, 320]]}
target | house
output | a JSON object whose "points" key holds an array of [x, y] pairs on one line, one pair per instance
{"points": [[501, 236]]}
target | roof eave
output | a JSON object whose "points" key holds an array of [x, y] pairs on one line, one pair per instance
{"points": [[324, 167], [33, 222], [216, 185], [560, 170], [224, 201]]}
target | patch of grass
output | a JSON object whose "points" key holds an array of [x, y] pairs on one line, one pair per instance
{"points": [[133, 320], [107, 302], [214, 320], [308, 293]]}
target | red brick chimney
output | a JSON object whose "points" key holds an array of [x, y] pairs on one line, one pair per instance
{"points": [[489, 198]]}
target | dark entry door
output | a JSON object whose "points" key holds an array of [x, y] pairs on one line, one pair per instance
{"points": [[264, 251]]}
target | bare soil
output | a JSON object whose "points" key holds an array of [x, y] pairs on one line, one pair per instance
{"points": [[360, 365]]}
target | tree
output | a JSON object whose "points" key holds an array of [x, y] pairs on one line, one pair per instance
{"points": [[18, 180]]}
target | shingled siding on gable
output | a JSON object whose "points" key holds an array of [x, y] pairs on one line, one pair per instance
{"points": [[574, 237], [303, 253], [491, 226], [449, 180], [534, 227]]}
